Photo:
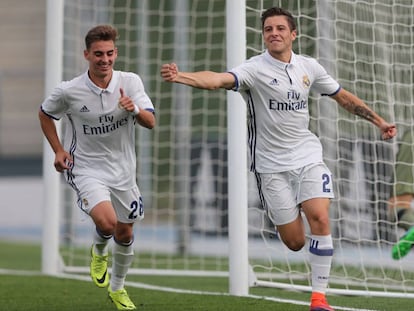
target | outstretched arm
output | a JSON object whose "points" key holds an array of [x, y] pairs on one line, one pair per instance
{"points": [[208, 80], [356, 106]]}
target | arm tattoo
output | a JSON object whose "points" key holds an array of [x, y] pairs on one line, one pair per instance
{"points": [[364, 113], [358, 110]]}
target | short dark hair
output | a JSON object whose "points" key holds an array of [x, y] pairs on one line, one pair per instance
{"points": [[276, 11], [100, 33]]}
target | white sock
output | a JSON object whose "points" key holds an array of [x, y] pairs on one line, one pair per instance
{"points": [[320, 259], [100, 243], [122, 256]]}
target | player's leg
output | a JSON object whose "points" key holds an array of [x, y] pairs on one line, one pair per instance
{"points": [[402, 214], [315, 194], [94, 199], [399, 210], [278, 197], [122, 257], [320, 250], [399, 205], [281, 193], [104, 218], [128, 207]]}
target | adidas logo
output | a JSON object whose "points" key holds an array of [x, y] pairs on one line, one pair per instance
{"points": [[274, 82], [84, 109]]}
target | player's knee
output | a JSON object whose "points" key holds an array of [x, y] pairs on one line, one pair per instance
{"points": [[295, 244], [320, 224], [124, 233], [106, 226]]}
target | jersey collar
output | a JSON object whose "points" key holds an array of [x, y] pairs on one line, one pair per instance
{"points": [[97, 90], [279, 63]]}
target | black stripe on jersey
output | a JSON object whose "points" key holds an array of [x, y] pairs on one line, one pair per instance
{"points": [[69, 173], [252, 131], [259, 190], [73, 143]]}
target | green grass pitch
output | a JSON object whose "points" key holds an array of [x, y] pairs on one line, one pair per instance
{"points": [[23, 288]]}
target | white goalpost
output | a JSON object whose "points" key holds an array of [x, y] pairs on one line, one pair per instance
{"points": [[237, 152], [202, 214], [51, 179]]}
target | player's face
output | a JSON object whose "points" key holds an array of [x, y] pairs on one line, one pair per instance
{"points": [[101, 57], [278, 37]]}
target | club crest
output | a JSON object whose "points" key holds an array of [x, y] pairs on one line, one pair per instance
{"points": [[306, 81]]}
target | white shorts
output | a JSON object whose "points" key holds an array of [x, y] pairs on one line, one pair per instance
{"points": [[282, 193], [128, 204]]}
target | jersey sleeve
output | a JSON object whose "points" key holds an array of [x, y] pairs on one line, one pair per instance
{"points": [[323, 83], [139, 96], [54, 105], [245, 75]]}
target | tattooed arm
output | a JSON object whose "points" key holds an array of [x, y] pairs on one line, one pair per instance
{"points": [[355, 105]]}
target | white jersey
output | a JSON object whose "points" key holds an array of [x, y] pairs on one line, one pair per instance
{"points": [[277, 94], [99, 135]]}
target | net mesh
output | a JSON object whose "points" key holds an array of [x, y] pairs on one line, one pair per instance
{"points": [[182, 163]]}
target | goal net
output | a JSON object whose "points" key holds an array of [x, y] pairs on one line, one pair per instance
{"points": [[182, 163]]}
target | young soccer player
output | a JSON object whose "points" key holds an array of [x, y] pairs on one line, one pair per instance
{"points": [[400, 209], [285, 155], [102, 107]]}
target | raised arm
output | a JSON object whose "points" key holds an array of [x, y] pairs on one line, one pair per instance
{"points": [[208, 80], [356, 106]]}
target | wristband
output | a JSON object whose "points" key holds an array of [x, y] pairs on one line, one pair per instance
{"points": [[136, 110]]}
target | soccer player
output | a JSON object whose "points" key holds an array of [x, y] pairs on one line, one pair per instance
{"points": [[102, 107], [400, 210], [285, 156]]}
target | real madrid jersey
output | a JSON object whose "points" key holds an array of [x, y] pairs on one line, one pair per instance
{"points": [[277, 94], [99, 135]]}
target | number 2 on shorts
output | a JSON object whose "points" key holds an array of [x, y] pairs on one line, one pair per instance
{"points": [[137, 209]]}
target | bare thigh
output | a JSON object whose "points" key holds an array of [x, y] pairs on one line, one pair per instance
{"points": [[317, 214], [104, 217]]}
